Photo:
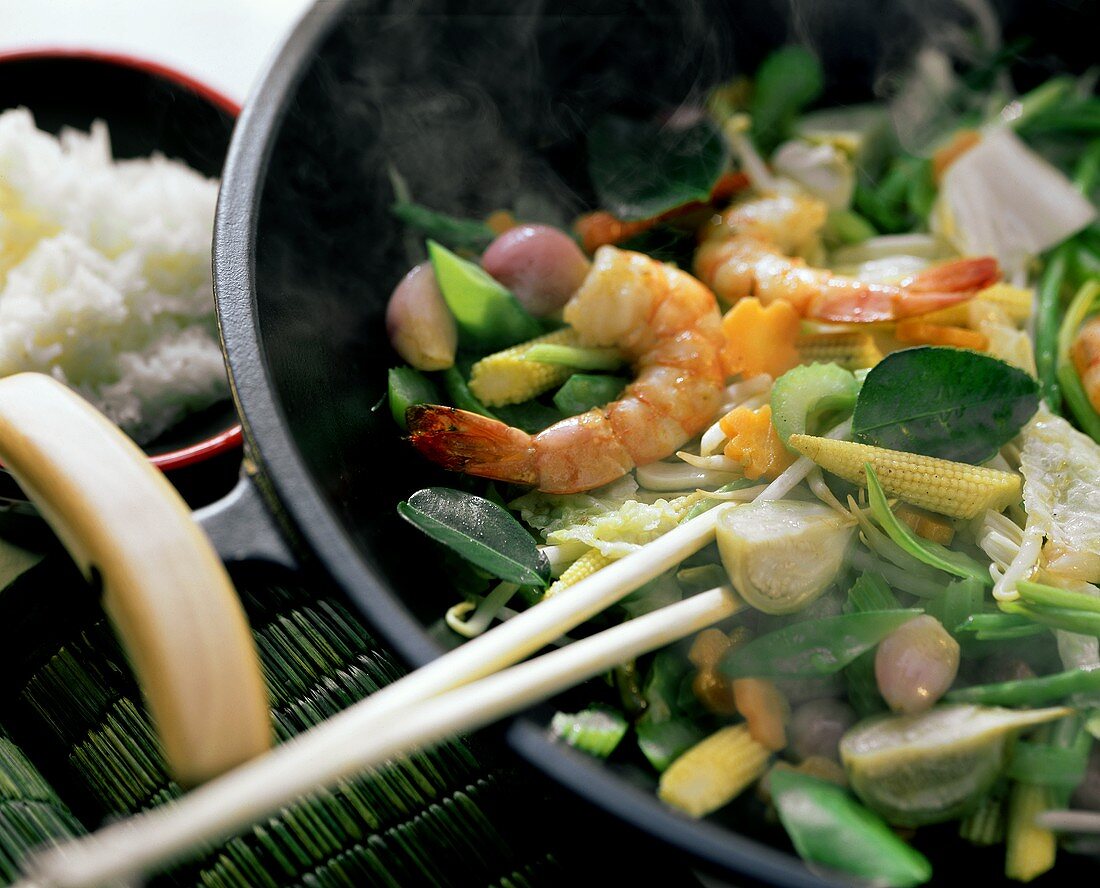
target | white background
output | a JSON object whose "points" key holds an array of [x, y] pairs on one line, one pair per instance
{"points": [[223, 43]]}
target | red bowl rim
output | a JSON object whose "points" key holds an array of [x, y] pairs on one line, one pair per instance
{"points": [[231, 438]]}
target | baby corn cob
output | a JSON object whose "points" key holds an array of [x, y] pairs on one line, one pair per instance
{"points": [[986, 825], [590, 562], [950, 488], [506, 378], [852, 351], [714, 771], [1015, 301], [1030, 849]]}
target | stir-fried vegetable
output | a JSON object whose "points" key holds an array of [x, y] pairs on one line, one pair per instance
{"points": [[914, 530]]}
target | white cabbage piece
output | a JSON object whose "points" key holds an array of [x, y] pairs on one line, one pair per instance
{"points": [[621, 531], [823, 170], [1000, 198], [1061, 469], [546, 512]]}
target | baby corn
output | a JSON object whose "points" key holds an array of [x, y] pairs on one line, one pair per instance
{"points": [[1014, 301], [590, 562], [851, 350], [1031, 849], [507, 378], [950, 488], [714, 771]]}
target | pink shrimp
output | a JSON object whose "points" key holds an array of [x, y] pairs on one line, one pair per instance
{"points": [[745, 254], [667, 325], [1086, 359]]}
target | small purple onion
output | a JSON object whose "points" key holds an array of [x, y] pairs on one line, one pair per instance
{"points": [[541, 265]]}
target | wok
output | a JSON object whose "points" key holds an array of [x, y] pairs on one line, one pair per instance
{"points": [[472, 107]]}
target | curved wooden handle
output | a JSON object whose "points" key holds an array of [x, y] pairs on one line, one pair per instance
{"points": [[164, 588]]}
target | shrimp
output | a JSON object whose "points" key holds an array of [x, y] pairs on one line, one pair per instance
{"points": [[1086, 359], [666, 323], [746, 253]]}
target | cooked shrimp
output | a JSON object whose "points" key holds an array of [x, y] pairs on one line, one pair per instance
{"points": [[1086, 359], [747, 254], [667, 325]]}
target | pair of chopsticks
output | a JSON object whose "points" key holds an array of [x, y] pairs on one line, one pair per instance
{"points": [[466, 689]]}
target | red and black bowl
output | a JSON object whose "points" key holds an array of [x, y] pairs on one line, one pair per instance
{"points": [[148, 107]]}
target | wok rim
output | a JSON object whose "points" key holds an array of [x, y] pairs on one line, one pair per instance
{"points": [[293, 495]]}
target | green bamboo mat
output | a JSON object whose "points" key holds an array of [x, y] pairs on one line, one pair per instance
{"points": [[447, 817], [31, 814]]}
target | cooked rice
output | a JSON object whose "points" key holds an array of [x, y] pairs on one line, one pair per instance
{"points": [[105, 275]]}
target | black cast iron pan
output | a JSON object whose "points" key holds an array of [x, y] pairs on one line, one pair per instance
{"points": [[474, 104]]}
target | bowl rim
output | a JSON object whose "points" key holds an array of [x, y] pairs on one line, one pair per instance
{"points": [[231, 437]]}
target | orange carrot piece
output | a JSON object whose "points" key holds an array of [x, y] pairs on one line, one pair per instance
{"points": [[754, 442], [765, 709], [923, 333], [759, 339]]}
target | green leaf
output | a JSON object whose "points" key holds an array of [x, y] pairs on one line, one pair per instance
{"points": [[641, 169], [480, 531], [829, 827], [955, 563], [596, 730], [488, 316], [787, 80], [943, 402], [456, 233], [813, 647], [407, 387]]}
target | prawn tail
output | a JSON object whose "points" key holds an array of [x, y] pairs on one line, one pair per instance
{"points": [[945, 285], [960, 276], [468, 442]]}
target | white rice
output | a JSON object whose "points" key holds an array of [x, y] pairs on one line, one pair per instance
{"points": [[105, 275]]}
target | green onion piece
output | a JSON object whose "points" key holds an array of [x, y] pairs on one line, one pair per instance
{"points": [[596, 730], [1046, 96], [804, 393], [1051, 596], [1084, 622], [955, 563], [1030, 691], [582, 391], [664, 742], [406, 387], [456, 233], [998, 627], [460, 395], [870, 592], [1047, 326], [827, 826], [575, 356], [1084, 301], [1088, 168], [960, 600], [813, 648], [1047, 765]]}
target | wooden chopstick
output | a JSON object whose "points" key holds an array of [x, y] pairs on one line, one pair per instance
{"points": [[396, 719]]}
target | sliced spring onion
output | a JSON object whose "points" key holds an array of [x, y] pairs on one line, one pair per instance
{"points": [[597, 730], [575, 356], [1030, 691]]}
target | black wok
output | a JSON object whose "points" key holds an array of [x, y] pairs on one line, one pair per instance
{"points": [[472, 104]]}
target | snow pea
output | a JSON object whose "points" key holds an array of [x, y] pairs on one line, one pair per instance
{"points": [[830, 828], [814, 647]]}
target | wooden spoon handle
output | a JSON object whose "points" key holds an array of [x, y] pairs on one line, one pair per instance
{"points": [[164, 588]]}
